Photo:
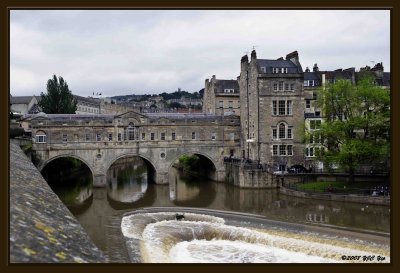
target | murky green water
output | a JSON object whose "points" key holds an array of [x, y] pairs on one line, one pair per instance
{"points": [[128, 188]]}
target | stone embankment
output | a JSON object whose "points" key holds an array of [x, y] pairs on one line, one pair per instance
{"points": [[373, 200], [42, 230]]}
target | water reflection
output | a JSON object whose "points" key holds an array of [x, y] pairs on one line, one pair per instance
{"points": [[128, 189], [72, 181], [127, 180]]}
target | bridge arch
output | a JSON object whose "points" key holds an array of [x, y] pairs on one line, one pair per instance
{"points": [[45, 163], [150, 171], [202, 155]]}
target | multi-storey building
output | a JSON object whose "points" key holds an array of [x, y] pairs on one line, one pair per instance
{"points": [[272, 110], [276, 100], [221, 97]]}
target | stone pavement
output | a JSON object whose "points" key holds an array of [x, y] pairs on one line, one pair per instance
{"points": [[42, 230]]}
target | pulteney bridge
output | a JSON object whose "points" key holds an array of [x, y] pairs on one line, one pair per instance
{"points": [[159, 139]]}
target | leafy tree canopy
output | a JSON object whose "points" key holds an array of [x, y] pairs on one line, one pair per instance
{"points": [[356, 129], [59, 99]]}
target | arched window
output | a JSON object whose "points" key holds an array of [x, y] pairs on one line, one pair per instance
{"points": [[40, 137], [131, 131], [282, 130]]}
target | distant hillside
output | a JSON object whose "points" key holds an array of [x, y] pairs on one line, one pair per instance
{"points": [[164, 95]]}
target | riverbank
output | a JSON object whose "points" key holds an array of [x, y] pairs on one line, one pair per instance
{"points": [[373, 200], [42, 230]]}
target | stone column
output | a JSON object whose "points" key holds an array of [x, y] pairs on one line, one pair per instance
{"points": [[161, 178], [99, 180]]}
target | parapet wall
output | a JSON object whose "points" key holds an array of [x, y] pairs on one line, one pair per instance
{"points": [[373, 200], [241, 177], [42, 230]]}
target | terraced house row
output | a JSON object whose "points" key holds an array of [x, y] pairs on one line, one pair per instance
{"points": [[274, 99]]}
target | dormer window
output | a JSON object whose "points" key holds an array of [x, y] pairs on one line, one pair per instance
{"points": [[279, 70], [229, 90], [263, 69]]}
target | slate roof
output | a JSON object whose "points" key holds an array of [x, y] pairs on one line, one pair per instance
{"points": [[269, 64], [311, 76], [221, 85], [386, 79], [87, 100], [20, 99]]}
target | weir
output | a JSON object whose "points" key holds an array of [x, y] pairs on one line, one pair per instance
{"points": [[155, 235]]}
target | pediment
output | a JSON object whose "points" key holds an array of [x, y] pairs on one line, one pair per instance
{"points": [[131, 116]]}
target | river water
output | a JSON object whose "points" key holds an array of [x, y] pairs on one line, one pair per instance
{"points": [[129, 189]]}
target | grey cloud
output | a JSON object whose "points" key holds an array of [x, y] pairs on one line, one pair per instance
{"points": [[158, 50]]}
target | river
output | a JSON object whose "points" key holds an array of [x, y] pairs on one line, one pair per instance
{"points": [[128, 189]]}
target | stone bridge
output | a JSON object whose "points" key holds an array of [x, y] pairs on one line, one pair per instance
{"points": [[159, 139]]}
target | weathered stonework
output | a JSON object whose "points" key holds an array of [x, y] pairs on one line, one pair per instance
{"points": [[100, 140], [42, 230]]}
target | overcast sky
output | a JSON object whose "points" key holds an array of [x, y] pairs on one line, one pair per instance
{"points": [[121, 52]]}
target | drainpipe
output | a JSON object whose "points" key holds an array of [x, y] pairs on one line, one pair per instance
{"points": [[248, 113]]}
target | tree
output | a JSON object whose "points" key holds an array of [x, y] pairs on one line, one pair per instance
{"points": [[356, 129], [59, 99]]}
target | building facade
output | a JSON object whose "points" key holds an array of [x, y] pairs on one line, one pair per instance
{"points": [[221, 97], [272, 110]]}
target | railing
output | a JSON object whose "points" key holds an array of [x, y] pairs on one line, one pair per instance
{"points": [[248, 164], [369, 191]]}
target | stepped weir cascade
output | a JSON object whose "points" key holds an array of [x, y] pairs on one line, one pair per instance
{"points": [[184, 235]]}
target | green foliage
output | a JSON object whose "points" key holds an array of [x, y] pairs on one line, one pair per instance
{"points": [[189, 163], [357, 125], [176, 105], [59, 99], [16, 131]]}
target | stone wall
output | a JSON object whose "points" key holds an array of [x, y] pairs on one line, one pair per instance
{"points": [[239, 176], [42, 230], [374, 200]]}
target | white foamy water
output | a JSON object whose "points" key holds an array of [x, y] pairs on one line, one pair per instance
{"points": [[222, 251], [206, 239]]}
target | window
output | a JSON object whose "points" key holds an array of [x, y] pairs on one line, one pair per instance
{"points": [[213, 136], [193, 135], [275, 87], [162, 136], [287, 86], [289, 107], [282, 131], [263, 69], [87, 137], [284, 70], [275, 70], [314, 96], [308, 104], [282, 149], [110, 137], [275, 150], [311, 151], [315, 124], [143, 136], [306, 83], [40, 138], [274, 108], [282, 107], [232, 136], [230, 104], [310, 83], [289, 133], [292, 87], [274, 133], [152, 136], [221, 104], [280, 86], [289, 149], [65, 138], [98, 137], [317, 113], [119, 137], [131, 131], [173, 136]]}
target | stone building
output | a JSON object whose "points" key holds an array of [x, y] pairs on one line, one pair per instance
{"points": [[24, 104], [221, 97], [87, 105], [272, 110]]}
